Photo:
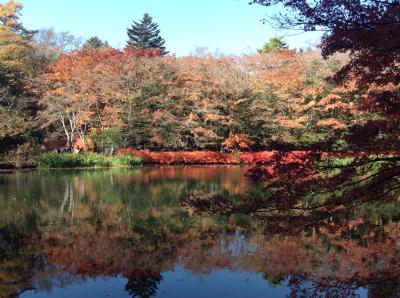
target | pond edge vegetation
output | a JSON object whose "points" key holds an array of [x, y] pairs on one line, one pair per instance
{"points": [[88, 160], [129, 158], [133, 158]]}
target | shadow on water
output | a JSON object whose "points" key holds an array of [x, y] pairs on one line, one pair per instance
{"points": [[178, 232]]}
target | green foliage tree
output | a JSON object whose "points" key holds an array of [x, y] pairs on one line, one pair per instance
{"points": [[274, 43], [146, 35], [16, 67], [112, 136], [95, 42]]}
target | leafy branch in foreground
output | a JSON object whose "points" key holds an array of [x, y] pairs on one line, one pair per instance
{"points": [[309, 189]]}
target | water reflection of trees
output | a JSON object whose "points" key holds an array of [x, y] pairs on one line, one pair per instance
{"points": [[17, 263], [349, 208], [143, 284], [104, 232]]}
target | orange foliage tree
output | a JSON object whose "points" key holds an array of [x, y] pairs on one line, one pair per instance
{"points": [[169, 103], [86, 90]]}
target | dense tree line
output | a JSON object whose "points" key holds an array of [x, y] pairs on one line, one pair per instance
{"points": [[56, 87], [141, 99]]}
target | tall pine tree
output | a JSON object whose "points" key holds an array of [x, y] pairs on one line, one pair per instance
{"points": [[146, 35]]}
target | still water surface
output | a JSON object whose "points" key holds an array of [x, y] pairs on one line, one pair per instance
{"points": [[125, 233]]}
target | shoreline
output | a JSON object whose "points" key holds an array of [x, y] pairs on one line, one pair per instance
{"points": [[180, 159], [182, 165]]}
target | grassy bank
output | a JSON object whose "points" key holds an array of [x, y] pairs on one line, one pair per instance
{"points": [[89, 160]]}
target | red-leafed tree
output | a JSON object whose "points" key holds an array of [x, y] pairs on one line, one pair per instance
{"points": [[311, 186], [87, 90], [369, 32]]}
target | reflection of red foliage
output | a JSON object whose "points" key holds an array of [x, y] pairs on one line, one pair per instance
{"points": [[324, 258], [199, 157]]}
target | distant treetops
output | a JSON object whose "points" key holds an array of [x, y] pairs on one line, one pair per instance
{"points": [[146, 35], [95, 42], [274, 43]]}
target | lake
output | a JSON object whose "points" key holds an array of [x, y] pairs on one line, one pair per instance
{"points": [[129, 233]]}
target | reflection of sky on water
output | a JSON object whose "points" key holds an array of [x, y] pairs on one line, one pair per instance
{"points": [[178, 283]]}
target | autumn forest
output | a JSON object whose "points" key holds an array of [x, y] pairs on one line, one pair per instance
{"points": [[56, 88]]}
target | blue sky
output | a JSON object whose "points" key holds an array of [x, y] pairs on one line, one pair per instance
{"points": [[226, 26]]}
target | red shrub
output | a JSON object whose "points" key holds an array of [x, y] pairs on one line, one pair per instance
{"points": [[198, 157], [257, 157]]}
